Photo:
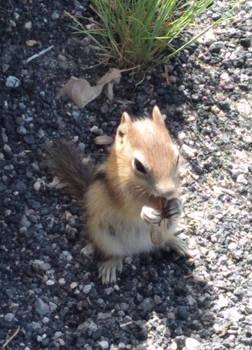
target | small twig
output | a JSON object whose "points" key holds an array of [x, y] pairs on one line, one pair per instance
{"points": [[95, 65], [39, 54], [89, 301], [126, 324], [167, 77], [11, 338]]}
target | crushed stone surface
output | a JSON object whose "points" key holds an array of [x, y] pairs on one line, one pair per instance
{"points": [[50, 295]]}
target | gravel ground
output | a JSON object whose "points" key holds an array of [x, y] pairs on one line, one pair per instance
{"points": [[50, 294]]}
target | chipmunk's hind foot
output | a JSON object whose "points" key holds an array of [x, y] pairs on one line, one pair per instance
{"points": [[179, 246], [107, 270]]}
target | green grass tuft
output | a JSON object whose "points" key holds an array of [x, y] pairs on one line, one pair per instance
{"points": [[142, 32]]}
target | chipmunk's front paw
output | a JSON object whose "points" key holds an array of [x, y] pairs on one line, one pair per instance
{"points": [[107, 270], [173, 208], [151, 215]]}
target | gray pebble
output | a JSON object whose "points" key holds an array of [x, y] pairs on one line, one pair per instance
{"points": [[21, 130], [25, 222], [103, 315], [216, 47], [124, 306], [195, 97], [58, 334], [147, 304], [29, 139], [13, 23], [65, 255], [53, 306], [87, 288], [55, 15], [95, 130], [41, 307], [12, 82], [40, 265], [20, 186], [7, 149], [5, 67], [9, 317], [182, 313], [46, 320], [35, 325]]}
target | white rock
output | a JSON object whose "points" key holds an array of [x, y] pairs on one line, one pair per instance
{"points": [[50, 282], [62, 281], [104, 344], [217, 328], [209, 37], [222, 301], [192, 344], [225, 77], [173, 346], [233, 315], [73, 285], [232, 246], [37, 185], [28, 25], [182, 136], [188, 151], [241, 179], [244, 107], [95, 130]]}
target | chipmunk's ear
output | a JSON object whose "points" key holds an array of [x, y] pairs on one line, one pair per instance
{"points": [[126, 119], [157, 116], [125, 124]]}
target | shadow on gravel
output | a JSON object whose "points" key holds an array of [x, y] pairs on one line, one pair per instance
{"points": [[157, 299]]}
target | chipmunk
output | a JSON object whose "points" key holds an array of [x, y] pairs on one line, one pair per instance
{"points": [[131, 199]]}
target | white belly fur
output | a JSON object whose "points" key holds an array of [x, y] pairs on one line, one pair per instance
{"points": [[128, 238]]}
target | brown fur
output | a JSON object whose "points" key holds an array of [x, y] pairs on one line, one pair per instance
{"points": [[140, 173]]}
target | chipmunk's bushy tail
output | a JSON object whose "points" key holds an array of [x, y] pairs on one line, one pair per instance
{"points": [[66, 161]]}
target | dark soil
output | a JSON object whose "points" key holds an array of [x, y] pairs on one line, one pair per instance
{"points": [[51, 297]]}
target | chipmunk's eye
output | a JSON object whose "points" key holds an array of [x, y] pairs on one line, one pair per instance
{"points": [[139, 166], [120, 133]]}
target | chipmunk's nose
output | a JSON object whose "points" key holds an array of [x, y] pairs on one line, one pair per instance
{"points": [[167, 191]]}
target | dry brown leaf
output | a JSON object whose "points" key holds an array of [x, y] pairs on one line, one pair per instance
{"points": [[103, 140], [113, 74], [81, 92], [108, 90]]}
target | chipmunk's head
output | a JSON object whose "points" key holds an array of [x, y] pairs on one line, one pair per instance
{"points": [[146, 156]]}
